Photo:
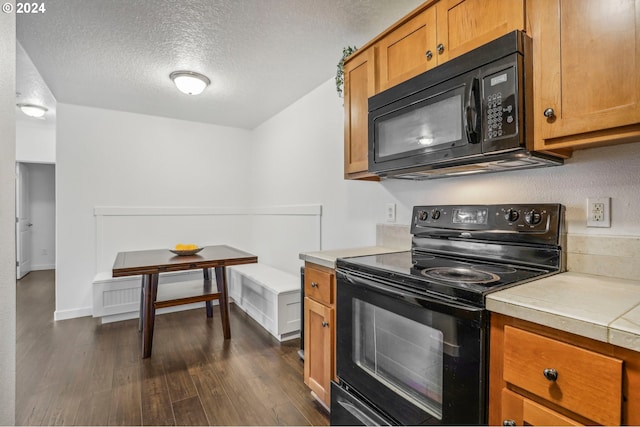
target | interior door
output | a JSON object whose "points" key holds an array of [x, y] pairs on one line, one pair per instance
{"points": [[23, 221]]}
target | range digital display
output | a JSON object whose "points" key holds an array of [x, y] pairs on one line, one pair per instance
{"points": [[470, 216]]}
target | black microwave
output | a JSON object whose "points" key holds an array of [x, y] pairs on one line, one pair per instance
{"points": [[471, 114]]}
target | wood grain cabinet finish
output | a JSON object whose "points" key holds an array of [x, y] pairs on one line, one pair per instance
{"points": [[443, 31], [543, 376], [464, 25], [359, 85], [319, 331], [519, 411], [318, 285], [586, 72], [579, 380], [408, 50]]}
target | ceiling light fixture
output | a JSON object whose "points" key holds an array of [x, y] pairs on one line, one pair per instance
{"points": [[31, 110], [189, 82]]}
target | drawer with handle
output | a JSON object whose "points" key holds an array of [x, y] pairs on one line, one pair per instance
{"points": [[318, 284], [579, 380]]}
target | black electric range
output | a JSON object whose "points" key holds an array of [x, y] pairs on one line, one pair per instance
{"points": [[412, 328]]}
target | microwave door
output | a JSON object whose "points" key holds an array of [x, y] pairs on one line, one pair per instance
{"points": [[430, 127]]}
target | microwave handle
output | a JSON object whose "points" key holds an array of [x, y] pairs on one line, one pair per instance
{"points": [[472, 113]]}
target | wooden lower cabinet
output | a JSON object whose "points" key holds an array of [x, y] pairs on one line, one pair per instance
{"points": [[519, 411], [318, 348], [319, 331], [543, 376]]}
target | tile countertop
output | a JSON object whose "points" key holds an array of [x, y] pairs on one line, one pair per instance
{"points": [[602, 308], [328, 258]]}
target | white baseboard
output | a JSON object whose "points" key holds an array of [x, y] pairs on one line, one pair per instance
{"points": [[72, 314], [43, 267]]}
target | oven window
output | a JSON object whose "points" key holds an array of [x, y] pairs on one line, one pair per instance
{"points": [[404, 355], [431, 127]]}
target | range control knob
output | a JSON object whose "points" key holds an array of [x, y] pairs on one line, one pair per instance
{"points": [[533, 217], [435, 214], [511, 215], [423, 215]]}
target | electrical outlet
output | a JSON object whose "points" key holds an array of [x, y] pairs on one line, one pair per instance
{"points": [[599, 212], [391, 212]]}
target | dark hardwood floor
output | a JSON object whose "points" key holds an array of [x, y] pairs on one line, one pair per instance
{"points": [[79, 372]]}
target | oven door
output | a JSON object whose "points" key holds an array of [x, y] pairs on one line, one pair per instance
{"points": [[416, 359]]}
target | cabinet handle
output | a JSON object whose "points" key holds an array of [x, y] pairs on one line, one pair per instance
{"points": [[314, 285], [509, 423], [549, 113], [325, 324], [440, 48], [429, 54], [550, 374]]}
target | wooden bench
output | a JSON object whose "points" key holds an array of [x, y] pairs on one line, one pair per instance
{"points": [[269, 295]]}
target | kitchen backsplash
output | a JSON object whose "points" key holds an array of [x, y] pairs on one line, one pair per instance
{"points": [[393, 236], [611, 256]]}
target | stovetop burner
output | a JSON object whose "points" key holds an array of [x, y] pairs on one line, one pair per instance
{"points": [[461, 275]]}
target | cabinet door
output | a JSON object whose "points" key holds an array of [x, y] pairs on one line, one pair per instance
{"points": [[516, 410], [586, 71], [464, 25], [404, 51], [359, 85], [318, 349], [582, 381]]}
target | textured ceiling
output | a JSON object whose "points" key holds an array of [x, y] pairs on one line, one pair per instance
{"points": [[31, 88], [261, 55]]}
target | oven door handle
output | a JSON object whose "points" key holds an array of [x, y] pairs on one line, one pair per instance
{"points": [[406, 295]]}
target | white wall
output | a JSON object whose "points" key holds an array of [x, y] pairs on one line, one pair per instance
{"points": [[7, 217], [111, 158], [298, 158], [42, 204], [35, 140]]}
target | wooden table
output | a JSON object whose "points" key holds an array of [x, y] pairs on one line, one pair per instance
{"points": [[151, 263]]}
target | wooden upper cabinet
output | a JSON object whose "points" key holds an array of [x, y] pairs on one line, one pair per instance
{"points": [[443, 31], [464, 25], [408, 50], [586, 72], [359, 85]]}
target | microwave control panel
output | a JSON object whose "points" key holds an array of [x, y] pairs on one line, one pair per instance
{"points": [[501, 109]]}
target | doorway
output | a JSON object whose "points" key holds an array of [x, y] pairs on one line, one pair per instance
{"points": [[35, 217]]}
